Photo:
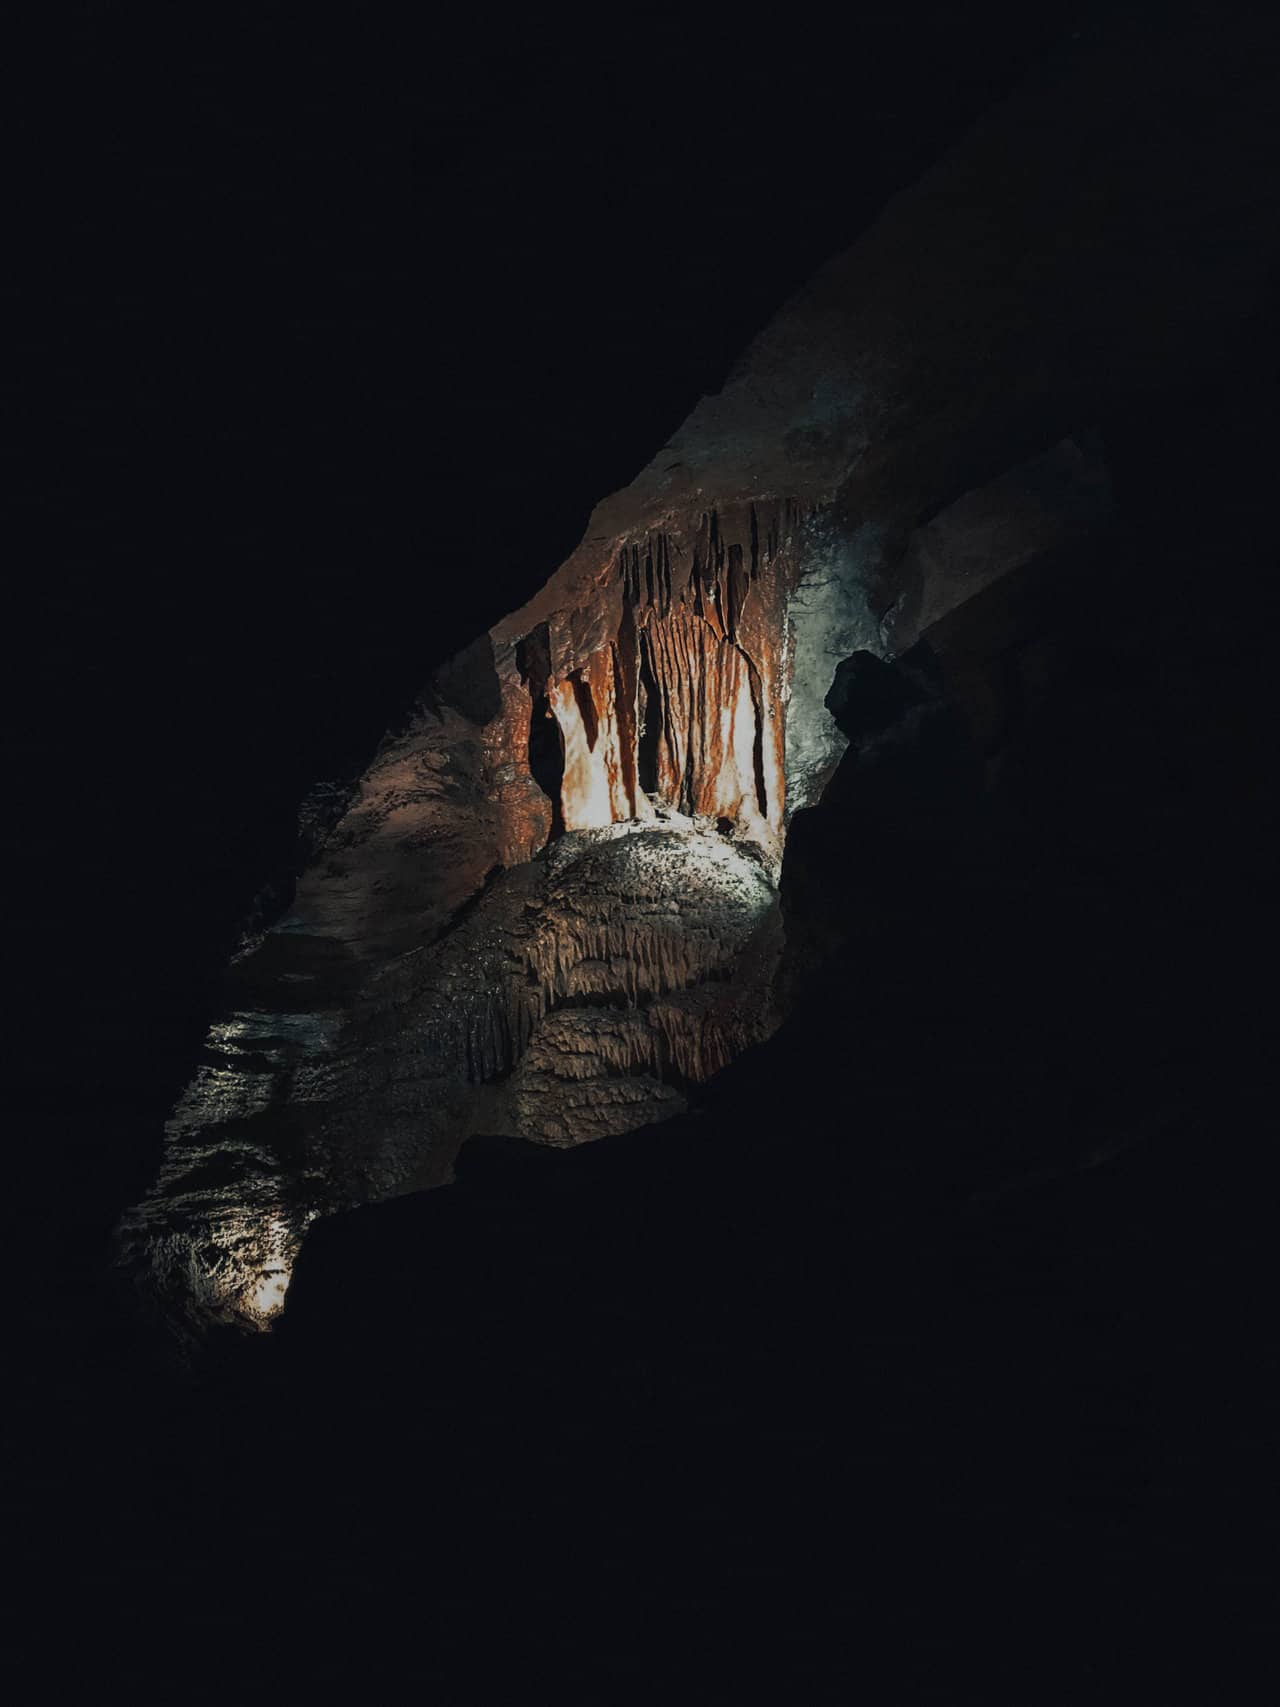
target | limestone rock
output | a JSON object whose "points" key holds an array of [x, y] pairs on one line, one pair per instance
{"points": [[548, 907]]}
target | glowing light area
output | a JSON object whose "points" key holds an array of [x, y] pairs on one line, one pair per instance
{"points": [[649, 971], [649, 908], [263, 1298], [713, 750], [735, 793], [236, 1268], [587, 792], [268, 1295]]}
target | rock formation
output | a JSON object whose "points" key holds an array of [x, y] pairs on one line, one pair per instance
{"points": [[549, 906]]}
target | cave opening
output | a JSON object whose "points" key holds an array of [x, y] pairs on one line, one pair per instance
{"points": [[546, 738], [546, 759], [757, 740], [650, 721], [585, 702]]}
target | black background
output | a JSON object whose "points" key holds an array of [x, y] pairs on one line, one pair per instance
{"points": [[332, 330]]}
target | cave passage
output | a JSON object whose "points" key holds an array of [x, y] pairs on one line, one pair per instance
{"points": [[650, 722], [546, 759]]}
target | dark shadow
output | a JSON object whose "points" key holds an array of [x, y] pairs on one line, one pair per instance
{"points": [[469, 681], [650, 721], [546, 759]]}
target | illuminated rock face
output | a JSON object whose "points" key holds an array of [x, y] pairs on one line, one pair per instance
{"points": [[683, 698], [548, 907], [595, 985]]}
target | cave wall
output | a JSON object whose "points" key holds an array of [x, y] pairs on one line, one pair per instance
{"points": [[672, 683], [919, 434]]}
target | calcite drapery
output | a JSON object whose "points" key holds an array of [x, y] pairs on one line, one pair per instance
{"points": [[678, 692]]}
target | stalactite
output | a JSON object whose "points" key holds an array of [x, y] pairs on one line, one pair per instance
{"points": [[684, 703]]}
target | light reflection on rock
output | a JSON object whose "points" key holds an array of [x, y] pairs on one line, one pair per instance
{"points": [[582, 996]]}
